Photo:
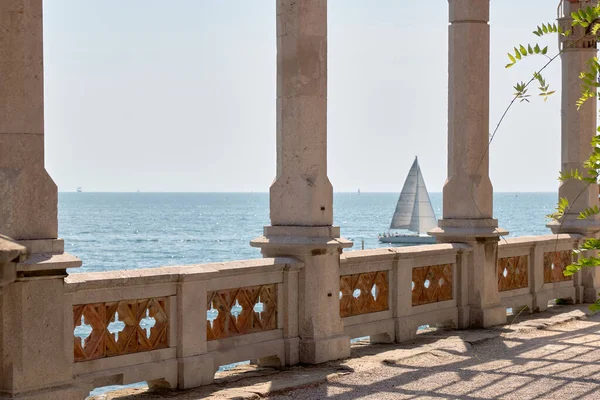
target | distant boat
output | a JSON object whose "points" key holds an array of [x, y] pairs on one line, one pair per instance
{"points": [[414, 212], [359, 191], [79, 189]]}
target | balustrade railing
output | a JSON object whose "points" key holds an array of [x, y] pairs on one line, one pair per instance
{"points": [[180, 324], [530, 271]]}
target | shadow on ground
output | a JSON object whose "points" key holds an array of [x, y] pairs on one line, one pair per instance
{"points": [[552, 355]]}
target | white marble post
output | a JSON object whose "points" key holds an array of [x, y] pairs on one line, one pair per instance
{"points": [[301, 197], [468, 192], [36, 350], [578, 127]]}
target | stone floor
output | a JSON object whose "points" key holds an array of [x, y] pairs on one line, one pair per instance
{"points": [[553, 355]]}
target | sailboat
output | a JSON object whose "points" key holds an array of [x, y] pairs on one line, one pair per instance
{"points": [[414, 212]]}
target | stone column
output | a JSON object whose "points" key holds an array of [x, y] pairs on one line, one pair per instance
{"points": [[578, 127], [468, 193], [37, 346], [301, 197]]}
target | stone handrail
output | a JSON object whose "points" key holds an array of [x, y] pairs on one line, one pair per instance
{"points": [[151, 325], [530, 271], [388, 294], [179, 324]]}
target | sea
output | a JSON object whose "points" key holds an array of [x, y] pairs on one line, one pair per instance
{"points": [[112, 231]]}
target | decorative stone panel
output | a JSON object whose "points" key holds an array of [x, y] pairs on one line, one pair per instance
{"points": [[513, 273], [363, 293], [554, 265], [241, 311], [431, 284], [120, 327]]}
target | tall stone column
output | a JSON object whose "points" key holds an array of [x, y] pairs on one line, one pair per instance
{"points": [[578, 127], [36, 350], [301, 197], [468, 192]]}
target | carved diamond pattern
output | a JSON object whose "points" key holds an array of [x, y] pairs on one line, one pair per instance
{"points": [[513, 273], [431, 284], [249, 320], [363, 293], [554, 265], [131, 339]]}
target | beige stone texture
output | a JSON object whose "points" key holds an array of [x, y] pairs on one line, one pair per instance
{"points": [[578, 127], [469, 10], [301, 194], [21, 67], [320, 327], [468, 190], [37, 354], [28, 196]]}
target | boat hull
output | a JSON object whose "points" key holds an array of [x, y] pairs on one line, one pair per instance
{"points": [[408, 239]]}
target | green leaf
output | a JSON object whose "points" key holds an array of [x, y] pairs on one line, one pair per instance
{"points": [[523, 50], [588, 212]]}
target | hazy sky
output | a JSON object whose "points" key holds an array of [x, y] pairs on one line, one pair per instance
{"points": [[179, 95]]}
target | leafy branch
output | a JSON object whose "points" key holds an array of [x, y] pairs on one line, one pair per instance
{"points": [[589, 19]]}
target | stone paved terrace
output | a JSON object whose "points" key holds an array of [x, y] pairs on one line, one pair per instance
{"points": [[551, 355]]}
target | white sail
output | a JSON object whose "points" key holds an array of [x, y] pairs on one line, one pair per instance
{"points": [[414, 210]]}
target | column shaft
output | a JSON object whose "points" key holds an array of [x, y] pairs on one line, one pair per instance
{"points": [[28, 200], [468, 191], [301, 194]]}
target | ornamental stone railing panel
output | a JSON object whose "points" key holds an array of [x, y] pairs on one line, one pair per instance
{"points": [[431, 284], [513, 273], [241, 311], [555, 263], [363, 293], [121, 327]]}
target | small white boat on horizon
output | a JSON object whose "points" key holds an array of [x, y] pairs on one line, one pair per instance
{"points": [[414, 212]]}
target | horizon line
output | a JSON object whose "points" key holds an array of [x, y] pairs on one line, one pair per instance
{"points": [[259, 192]]}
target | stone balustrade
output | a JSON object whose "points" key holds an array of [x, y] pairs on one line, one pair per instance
{"points": [[177, 325], [530, 271], [388, 293]]}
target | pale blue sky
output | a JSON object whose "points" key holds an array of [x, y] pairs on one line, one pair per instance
{"points": [[179, 95]]}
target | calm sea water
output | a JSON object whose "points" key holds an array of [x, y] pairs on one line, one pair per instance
{"points": [[110, 231]]}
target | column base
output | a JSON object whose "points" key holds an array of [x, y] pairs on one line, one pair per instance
{"points": [[319, 247], [37, 354], [11, 253], [587, 227], [46, 258], [317, 351], [300, 240], [465, 230]]}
